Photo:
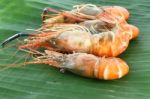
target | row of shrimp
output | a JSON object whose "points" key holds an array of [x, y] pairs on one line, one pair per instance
{"points": [[84, 40]]}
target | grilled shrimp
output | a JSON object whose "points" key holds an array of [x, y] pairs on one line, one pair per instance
{"points": [[96, 37], [84, 12], [83, 64], [105, 41]]}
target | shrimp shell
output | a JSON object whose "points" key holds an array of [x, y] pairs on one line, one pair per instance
{"points": [[86, 65]]}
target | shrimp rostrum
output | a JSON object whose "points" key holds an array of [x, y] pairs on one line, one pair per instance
{"points": [[97, 37], [83, 64], [84, 12]]}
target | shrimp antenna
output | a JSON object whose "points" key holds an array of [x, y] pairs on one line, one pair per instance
{"points": [[15, 37]]}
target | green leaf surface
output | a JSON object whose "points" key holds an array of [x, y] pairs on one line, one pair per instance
{"points": [[44, 82]]}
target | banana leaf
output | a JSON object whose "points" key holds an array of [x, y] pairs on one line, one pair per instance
{"points": [[44, 82]]}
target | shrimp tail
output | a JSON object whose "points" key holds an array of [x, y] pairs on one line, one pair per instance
{"points": [[133, 30]]}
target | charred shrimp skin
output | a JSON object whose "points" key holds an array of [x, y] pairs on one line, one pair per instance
{"points": [[86, 65]]}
